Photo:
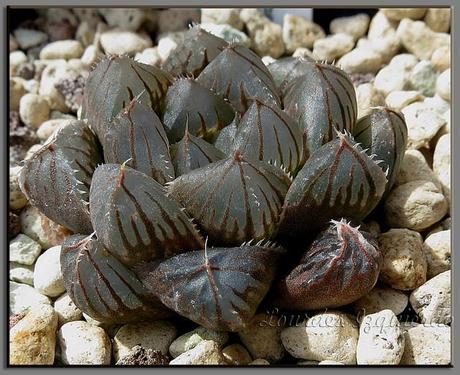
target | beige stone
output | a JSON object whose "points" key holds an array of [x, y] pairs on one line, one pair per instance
{"points": [[438, 19], [236, 355], [300, 32], [381, 298], [437, 249], [205, 353], [414, 167], [356, 25]]}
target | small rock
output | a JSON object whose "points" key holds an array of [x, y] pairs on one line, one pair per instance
{"points": [[41, 229], [381, 27], [443, 85], [422, 124], [72, 91], [33, 338], [302, 52], [227, 33], [438, 19], [300, 32], [267, 60], [423, 78], [236, 355], [381, 298], [259, 362], [400, 99], [262, 338], [17, 90], [34, 110], [360, 61], [414, 167], [441, 58], [168, 43], [15, 319], [391, 78], [27, 71], [119, 42], [91, 55], [149, 56], [176, 19], [48, 277], [62, 49], [22, 273], [222, 16], [367, 97], [48, 128], [432, 300], [14, 225], [62, 30], [66, 310], [404, 264], [387, 47], [23, 297], [17, 198], [397, 14], [27, 38], [84, 344], [189, 340], [17, 58], [129, 19], [105, 326], [437, 104], [30, 153], [140, 356], [381, 340], [437, 249], [205, 353], [332, 47], [268, 40], [156, 335], [85, 34], [442, 164], [356, 25], [419, 39], [325, 336], [24, 250], [427, 345]]}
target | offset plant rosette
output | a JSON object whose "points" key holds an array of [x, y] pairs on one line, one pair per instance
{"points": [[188, 186]]}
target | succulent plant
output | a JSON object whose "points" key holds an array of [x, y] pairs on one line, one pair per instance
{"points": [[186, 185]]}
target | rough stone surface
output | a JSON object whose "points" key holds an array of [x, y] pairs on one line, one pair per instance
{"points": [[48, 277], [62, 49], [227, 33], [438, 19], [205, 353], [387, 47], [326, 336], [167, 43], [17, 59], [156, 335], [437, 249], [81, 343], [442, 164], [149, 56], [367, 97], [423, 78], [414, 167], [33, 338], [391, 78], [90, 56], [189, 340], [356, 25], [268, 40], [300, 32], [140, 356], [262, 338], [332, 47], [381, 340], [34, 110], [177, 19], [397, 14], [302, 52], [17, 199], [427, 345], [121, 42], [17, 90], [259, 362], [441, 58], [24, 250], [23, 297], [443, 85], [404, 264], [381, 27], [432, 300], [27, 38], [360, 60], [22, 273], [125, 18], [48, 128], [400, 99], [226, 16], [66, 310], [381, 298], [236, 355]]}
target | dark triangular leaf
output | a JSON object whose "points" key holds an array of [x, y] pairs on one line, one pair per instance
{"points": [[192, 152], [137, 135], [233, 200], [384, 133], [57, 178], [339, 267], [267, 133], [339, 180], [322, 101], [218, 288], [195, 52], [190, 104], [104, 288], [238, 74], [224, 141], [134, 219]]}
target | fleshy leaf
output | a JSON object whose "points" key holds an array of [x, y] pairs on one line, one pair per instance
{"points": [[339, 267], [57, 178], [190, 104], [322, 101], [267, 133], [195, 52], [384, 133], [192, 152], [114, 83], [339, 180], [137, 135], [226, 137], [238, 74], [102, 287], [135, 220], [218, 288], [233, 200]]}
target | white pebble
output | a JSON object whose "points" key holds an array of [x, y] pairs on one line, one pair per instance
{"points": [[48, 278], [22, 273], [24, 250], [34, 110], [66, 310], [23, 297], [62, 49], [437, 249]]}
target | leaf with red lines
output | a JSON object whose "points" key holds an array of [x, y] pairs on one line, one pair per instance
{"points": [[218, 288], [267, 133], [114, 83], [135, 220], [192, 152], [233, 200], [339, 267], [137, 135], [195, 52], [57, 178], [188, 104], [321, 101], [238, 74], [104, 288], [339, 180], [226, 137], [384, 133]]}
